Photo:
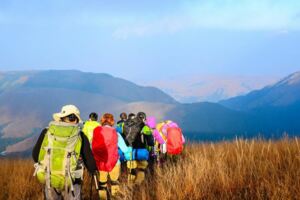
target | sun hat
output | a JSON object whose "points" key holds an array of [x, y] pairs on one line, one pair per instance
{"points": [[66, 111]]}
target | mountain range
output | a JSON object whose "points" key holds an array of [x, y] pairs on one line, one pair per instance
{"points": [[210, 88], [281, 94], [28, 99]]}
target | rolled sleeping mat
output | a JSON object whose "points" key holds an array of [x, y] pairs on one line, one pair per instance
{"points": [[140, 154]]}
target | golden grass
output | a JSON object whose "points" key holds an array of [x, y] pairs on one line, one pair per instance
{"points": [[240, 169]]}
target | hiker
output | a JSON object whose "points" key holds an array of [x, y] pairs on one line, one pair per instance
{"points": [[59, 153], [119, 129], [131, 116], [123, 118], [169, 138], [138, 137], [105, 145], [120, 123], [90, 125]]}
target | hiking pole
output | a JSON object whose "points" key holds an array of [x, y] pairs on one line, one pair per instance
{"points": [[96, 182], [94, 176]]}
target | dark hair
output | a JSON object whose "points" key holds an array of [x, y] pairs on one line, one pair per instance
{"points": [[141, 116], [131, 116], [71, 118], [123, 116], [93, 116]]}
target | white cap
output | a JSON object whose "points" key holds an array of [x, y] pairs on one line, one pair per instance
{"points": [[66, 111]]}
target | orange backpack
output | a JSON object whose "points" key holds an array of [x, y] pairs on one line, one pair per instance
{"points": [[174, 141]]}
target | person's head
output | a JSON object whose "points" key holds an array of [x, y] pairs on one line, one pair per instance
{"points": [[107, 119], [141, 116], [131, 116], [68, 114], [70, 119], [93, 116], [123, 116]]}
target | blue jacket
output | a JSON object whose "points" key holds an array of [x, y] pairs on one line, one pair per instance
{"points": [[123, 148]]}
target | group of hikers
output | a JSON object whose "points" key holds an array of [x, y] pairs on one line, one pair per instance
{"points": [[68, 145]]}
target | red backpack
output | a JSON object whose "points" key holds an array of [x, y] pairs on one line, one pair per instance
{"points": [[105, 148], [174, 141]]}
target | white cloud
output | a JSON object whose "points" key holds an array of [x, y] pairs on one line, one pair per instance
{"points": [[165, 25], [242, 15], [274, 15]]}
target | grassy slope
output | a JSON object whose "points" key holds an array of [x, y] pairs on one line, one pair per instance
{"points": [[228, 170]]}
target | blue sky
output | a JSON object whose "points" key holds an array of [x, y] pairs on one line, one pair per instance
{"points": [[152, 39]]}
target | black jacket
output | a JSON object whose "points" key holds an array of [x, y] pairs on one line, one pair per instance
{"points": [[120, 121], [86, 152]]}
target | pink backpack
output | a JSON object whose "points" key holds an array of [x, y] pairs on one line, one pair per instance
{"points": [[151, 122]]}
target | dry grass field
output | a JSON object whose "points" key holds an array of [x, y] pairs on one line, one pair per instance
{"points": [[240, 169]]}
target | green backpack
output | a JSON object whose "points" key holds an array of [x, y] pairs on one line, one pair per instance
{"points": [[59, 156]]}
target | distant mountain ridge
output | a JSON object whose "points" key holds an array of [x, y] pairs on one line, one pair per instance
{"points": [[28, 100], [211, 88], [103, 84], [283, 93], [275, 109]]}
